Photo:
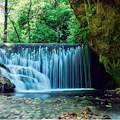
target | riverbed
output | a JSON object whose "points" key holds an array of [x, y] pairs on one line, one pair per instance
{"points": [[51, 106]]}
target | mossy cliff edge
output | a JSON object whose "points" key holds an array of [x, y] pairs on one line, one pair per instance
{"points": [[102, 18]]}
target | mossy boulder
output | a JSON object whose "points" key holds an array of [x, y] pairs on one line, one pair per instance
{"points": [[103, 20]]}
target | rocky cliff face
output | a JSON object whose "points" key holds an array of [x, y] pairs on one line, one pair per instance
{"points": [[102, 17]]}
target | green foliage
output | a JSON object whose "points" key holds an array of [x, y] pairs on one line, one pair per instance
{"points": [[75, 36], [93, 10], [85, 19], [85, 31], [50, 22], [1, 33], [101, 59], [43, 34]]}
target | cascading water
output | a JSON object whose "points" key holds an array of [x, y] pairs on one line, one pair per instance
{"points": [[42, 68]]}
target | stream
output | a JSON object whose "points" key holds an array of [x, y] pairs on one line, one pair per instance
{"points": [[53, 104]]}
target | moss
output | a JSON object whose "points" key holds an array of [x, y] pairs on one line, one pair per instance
{"points": [[112, 66], [118, 91], [104, 36], [101, 59]]}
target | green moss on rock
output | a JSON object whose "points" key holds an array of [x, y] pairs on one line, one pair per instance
{"points": [[104, 37], [118, 91]]}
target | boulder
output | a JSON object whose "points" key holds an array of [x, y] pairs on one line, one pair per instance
{"points": [[106, 117], [101, 19], [5, 85], [87, 110]]}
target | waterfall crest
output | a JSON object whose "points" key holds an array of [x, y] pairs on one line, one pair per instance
{"points": [[38, 68]]}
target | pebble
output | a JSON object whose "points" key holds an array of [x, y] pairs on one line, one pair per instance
{"points": [[109, 106], [35, 108]]}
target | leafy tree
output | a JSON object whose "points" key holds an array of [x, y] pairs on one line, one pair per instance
{"points": [[45, 14], [42, 21]]}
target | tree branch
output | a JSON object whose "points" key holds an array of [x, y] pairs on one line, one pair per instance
{"points": [[15, 29], [11, 7], [29, 21]]}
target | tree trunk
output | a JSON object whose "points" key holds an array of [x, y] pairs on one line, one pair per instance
{"points": [[55, 4], [29, 21], [15, 29], [5, 22]]}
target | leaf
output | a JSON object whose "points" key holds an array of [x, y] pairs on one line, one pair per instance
{"points": [[84, 36], [88, 31], [93, 10], [84, 32], [87, 13], [86, 5], [79, 15], [84, 18]]}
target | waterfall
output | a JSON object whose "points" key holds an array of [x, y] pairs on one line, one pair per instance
{"points": [[44, 68]]}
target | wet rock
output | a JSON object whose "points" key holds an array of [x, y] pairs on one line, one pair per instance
{"points": [[106, 117], [108, 106], [16, 112], [101, 28], [62, 117], [57, 101], [87, 110], [2, 117], [88, 117], [11, 107], [72, 115], [86, 103], [98, 102], [82, 116], [5, 85], [86, 114], [52, 116]]}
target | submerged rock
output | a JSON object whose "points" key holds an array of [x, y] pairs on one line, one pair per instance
{"points": [[87, 110], [106, 117], [15, 107], [86, 114], [62, 117], [72, 115], [5, 85]]}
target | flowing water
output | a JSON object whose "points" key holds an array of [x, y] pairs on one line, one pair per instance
{"points": [[56, 74], [46, 68]]}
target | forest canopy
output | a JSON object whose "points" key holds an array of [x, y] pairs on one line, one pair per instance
{"points": [[41, 21]]}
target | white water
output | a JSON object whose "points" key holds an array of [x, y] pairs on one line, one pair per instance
{"points": [[40, 69]]}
